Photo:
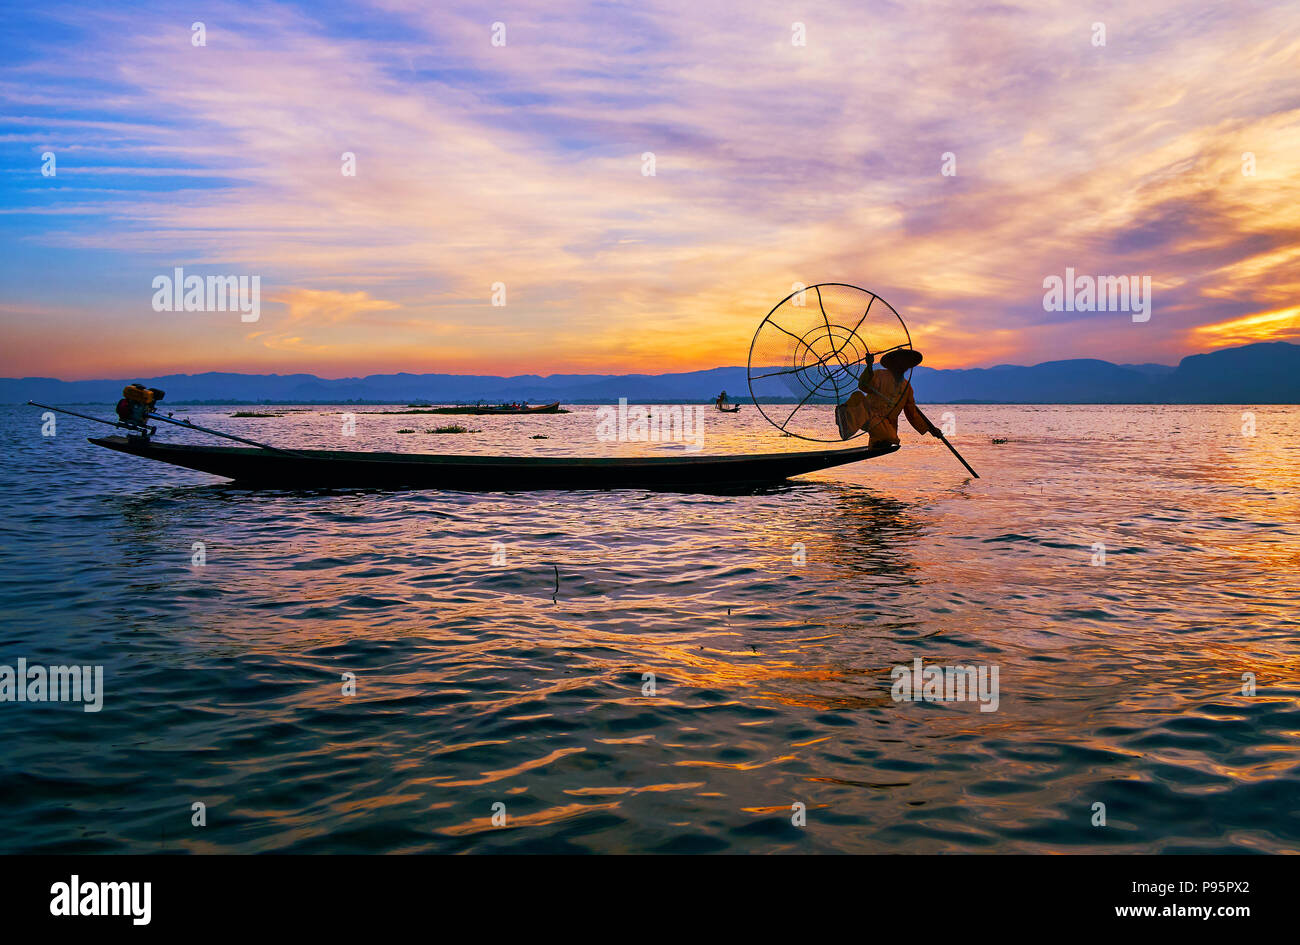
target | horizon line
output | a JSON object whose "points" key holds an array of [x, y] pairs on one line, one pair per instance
{"points": [[721, 367]]}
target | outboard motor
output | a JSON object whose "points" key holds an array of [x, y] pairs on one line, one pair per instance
{"points": [[137, 403]]}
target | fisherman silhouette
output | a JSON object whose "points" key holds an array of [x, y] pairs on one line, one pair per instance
{"points": [[882, 394]]}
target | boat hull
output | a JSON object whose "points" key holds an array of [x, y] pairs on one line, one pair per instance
{"points": [[513, 411], [479, 411], [257, 468]]}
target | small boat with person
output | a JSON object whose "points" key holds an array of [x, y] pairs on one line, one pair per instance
{"points": [[521, 407], [724, 405], [481, 409]]}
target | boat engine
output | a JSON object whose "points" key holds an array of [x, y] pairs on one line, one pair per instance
{"points": [[137, 403]]}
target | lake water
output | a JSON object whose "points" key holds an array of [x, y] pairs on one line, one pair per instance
{"points": [[771, 622]]}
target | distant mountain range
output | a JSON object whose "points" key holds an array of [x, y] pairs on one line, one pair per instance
{"points": [[1268, 372]]}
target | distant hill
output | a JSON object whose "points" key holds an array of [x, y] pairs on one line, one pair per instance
{"points": [[1268, 372], [1054, 382]]}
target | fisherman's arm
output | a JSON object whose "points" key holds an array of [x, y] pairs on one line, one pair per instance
{"points": [[919, 421]]}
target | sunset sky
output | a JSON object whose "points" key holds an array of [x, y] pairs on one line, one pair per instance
{"points": [[522, 164]]}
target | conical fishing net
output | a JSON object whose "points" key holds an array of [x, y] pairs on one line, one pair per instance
{"points": [[809, 352]]}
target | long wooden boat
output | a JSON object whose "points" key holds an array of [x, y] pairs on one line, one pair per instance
{"points": [[543, 408], [479, 409], [285, 469]]}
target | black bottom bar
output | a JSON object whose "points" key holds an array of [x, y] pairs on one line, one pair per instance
{"points": [[910, 895]]}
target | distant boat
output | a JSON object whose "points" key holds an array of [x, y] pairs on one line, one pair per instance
{"points": [[506, 408], [481, 409], [734, 408]]}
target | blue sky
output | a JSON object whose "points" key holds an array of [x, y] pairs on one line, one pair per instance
{"points": [[522, 164]]}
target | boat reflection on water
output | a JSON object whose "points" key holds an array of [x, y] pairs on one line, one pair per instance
{"points": [[873, 536]]}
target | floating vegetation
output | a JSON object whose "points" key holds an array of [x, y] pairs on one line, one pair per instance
{"points": [[999, 439], [453, 428], [539, 436], [406, 430], [254, 413]]}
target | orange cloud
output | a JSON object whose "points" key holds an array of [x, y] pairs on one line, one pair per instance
{"points": [[324, 306], [1282, 325], [322, 313]]}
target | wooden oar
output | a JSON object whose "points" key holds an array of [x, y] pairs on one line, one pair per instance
{"points": [[86, 416], [229, 436], [944, 440], [153, 415]]}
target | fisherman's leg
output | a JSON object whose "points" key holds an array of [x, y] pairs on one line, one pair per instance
{"points": [[882, 432], [851, 415]]}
